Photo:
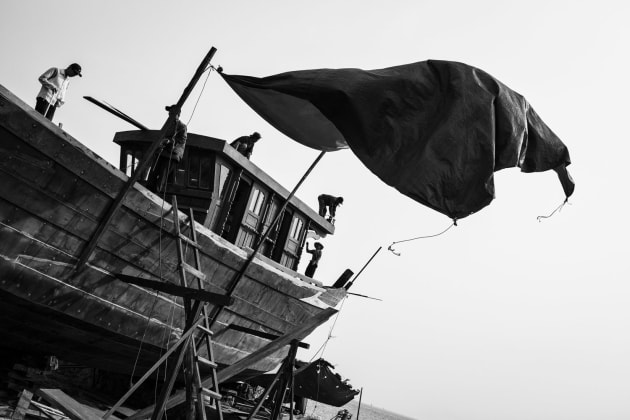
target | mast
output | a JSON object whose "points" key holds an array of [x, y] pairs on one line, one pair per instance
{"points": [[144, 164]]}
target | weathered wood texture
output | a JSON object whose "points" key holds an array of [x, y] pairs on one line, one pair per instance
{"points": [[69, 406], [53, 195]]}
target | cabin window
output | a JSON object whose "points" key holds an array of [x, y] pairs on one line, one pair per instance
{"points": [[296, 228], [224, 174], [199, 170], [193, 169], [131, 162], [256, 203], [180, 175], [205, 170]]}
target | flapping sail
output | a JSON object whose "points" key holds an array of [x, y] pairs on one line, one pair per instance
{"points": [[435, 130]]}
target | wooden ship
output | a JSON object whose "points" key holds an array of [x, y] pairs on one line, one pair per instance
{"points": [[54, 199]]}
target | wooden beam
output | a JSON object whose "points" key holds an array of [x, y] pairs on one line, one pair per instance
{"points": [[144, 164], [262, 334], [181, 291], [22, 405], [183, 339], [236, 368], [71, 407], [107, 107]]}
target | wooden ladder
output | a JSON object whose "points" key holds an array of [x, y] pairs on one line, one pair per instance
{"points": [[194, 381]]}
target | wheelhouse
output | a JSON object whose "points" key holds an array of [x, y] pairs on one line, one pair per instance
{"points": [[231, 196]]}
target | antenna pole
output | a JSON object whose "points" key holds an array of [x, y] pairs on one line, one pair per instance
{"points": [[350, 283], [359, 407]]}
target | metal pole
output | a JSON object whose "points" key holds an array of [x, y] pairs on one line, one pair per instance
{"points": [[359, 407], [350, 283]]}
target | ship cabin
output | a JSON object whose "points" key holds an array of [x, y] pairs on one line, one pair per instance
{"points": [[231, 196]]}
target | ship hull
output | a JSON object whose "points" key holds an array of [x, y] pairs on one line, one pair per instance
{"points": [[53, 196]]}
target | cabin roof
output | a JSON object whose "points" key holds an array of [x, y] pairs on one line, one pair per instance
{"points": [[228, 152]]}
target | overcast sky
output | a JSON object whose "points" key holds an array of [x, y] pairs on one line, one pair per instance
{"points": [[502, 317]]}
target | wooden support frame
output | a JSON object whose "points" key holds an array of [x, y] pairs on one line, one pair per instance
{"points": [[146, 161], [184, 292], [283, 379], [286, 382], [183, 339], [263, 334], [244, 363]]}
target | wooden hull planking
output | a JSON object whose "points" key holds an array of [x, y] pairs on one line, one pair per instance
{"points": [[53, 195]]}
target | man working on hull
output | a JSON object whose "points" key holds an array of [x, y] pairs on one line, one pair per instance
{"points": [[54, 85], [317, 255]]}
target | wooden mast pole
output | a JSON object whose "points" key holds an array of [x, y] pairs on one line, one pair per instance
{"points": [[144, 164], [237, 278]]}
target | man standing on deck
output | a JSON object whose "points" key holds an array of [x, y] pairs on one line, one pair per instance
{"points": [[172, 152], [329, 202], [54, 85], [245, 144], [317, 255]]}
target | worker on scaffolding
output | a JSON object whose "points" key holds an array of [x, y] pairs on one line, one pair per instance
{"points": [[172, 152]]}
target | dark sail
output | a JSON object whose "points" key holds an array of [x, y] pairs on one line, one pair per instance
{"points": [[435, 130]]}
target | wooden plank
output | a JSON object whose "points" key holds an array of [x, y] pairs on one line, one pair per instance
{"points": [[262, 334], [49, 411], [183, 339], [276, 345], [192, 270], [229, 372], [206, 362], [71, 407], [189, 241], [22, 405], [205, 330], [210, 393], [185, 292]]}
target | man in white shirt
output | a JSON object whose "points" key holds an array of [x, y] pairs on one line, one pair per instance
{"points": [[54, 85]]}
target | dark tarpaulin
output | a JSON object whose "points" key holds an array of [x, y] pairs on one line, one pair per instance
{"points": [[316, 381], [435, 130]]}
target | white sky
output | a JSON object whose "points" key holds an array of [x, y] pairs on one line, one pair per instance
{"points": [[502, 317]]}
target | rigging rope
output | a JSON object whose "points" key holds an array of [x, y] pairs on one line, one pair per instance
{"points": [[389, 248], [200, 93], [323, 348], [157, 295], [558, 209], [171, 317]]}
